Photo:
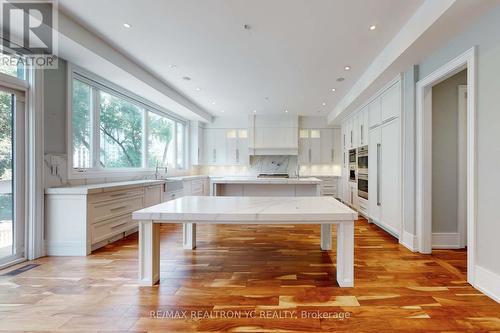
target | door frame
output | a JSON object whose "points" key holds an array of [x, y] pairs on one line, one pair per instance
{"points": [[19, 154], [423, 211]]}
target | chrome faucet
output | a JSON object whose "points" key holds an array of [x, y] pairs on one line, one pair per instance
{"points": [[158, 168]]}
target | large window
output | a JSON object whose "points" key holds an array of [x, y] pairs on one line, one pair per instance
{"points": [[112, 131], [11, 65]]}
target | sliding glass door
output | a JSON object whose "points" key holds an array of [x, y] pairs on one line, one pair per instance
{"points": [[12, 175]]}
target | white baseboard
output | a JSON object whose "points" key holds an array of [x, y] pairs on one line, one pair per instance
{"points": [[446, 240], [409, 241], [487, 282]]}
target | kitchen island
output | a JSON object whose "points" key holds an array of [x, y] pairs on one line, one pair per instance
{"points": [[192, 210], [255, 186]]}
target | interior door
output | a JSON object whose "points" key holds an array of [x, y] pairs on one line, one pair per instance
{"points": [[12, 175]]}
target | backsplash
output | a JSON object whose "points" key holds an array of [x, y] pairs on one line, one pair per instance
{"points": [[270, 164]]}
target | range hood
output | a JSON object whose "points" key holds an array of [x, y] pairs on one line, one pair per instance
{"points": [[274, 135]]}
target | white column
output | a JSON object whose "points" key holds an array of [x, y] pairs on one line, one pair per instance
{"points": [[326, 237], [189, 236], [149, 253], [345, 253]]}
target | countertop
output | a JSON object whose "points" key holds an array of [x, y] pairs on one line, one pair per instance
{"points": [[103, 187], [255, 180], [235, 210]]}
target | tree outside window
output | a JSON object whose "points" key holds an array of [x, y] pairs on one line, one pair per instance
{"points": [[121, 133]]}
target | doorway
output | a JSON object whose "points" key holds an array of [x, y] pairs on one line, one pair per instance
{"points": [[424, 161], [12, 175]]}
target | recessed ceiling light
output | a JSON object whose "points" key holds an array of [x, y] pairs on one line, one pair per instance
{"points": [[222, 111], [333, 89], [173, 66], [324, 103], [213, 103], [286, 111], [373, 27], [347, 68], [254, 111], [198, 89], [126, 25], [186, 78]]}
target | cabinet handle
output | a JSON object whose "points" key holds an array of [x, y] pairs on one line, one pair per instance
{"points": [[237, 156], [351, 138], [198, 155], [215, 154], [362, 139], [309, 155], [332, 154], [379, 151]]}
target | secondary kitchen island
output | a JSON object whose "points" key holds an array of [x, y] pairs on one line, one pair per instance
{"points": [[192, 210], [265, 186]]}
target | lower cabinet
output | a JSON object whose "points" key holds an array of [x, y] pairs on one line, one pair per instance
{"points": [[81, 221]]}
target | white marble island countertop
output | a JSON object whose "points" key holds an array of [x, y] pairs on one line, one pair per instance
{"points": [[256, 180], [244, 210]]}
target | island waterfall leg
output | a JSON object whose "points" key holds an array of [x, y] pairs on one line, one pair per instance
{"points": [[149, 253], [189, 236], [326, 237], [345, 253]]}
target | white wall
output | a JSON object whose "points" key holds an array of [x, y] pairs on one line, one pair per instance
{"points": [[445, 154], [55, 109], [484, 34]]}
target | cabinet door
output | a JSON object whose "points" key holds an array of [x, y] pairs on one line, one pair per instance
{"points": [[152, 195], [362, 128], [374, 159], [209, 146], [304, 146], [220, 146], [231, 146], [315, 146], [390, 177], [242, 156], [390, 102], [337, 146], [327, 151], [374, 115], [346, 193], [355, 131]]}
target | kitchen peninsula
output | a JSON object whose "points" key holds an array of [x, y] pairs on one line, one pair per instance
{"points": [[256, 186]]}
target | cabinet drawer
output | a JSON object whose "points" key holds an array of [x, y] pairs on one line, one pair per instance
{"points": [[109, 228], [110, 209], [172, 195], [116, 195]]}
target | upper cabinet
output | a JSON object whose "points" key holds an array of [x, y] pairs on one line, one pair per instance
{"points": [[385, 107], [362, 127], [319, 146], [237, 147], [273, 135], [390, 102]]}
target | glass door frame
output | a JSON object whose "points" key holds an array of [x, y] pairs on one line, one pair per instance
{"points": [[19, 175]]}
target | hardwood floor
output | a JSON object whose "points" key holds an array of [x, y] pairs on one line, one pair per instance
{"points": [[274, 277]]}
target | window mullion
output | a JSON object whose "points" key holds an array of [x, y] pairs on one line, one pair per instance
{"points": [[145, 136], [96, 138]]}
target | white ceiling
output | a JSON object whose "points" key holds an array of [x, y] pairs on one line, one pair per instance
{"points": [[289, 59]]}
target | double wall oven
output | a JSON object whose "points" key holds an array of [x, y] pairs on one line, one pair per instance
{"points": [[362, 155]]}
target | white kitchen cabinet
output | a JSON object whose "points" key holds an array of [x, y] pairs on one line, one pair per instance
{"points": [[390, 189], [327, 146], [237, 147], [390, 102], [310, 146], [215, 146], [196, 143], [362, 128], [374, 113], [273, 135], [384, 181], [373, 174]]}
